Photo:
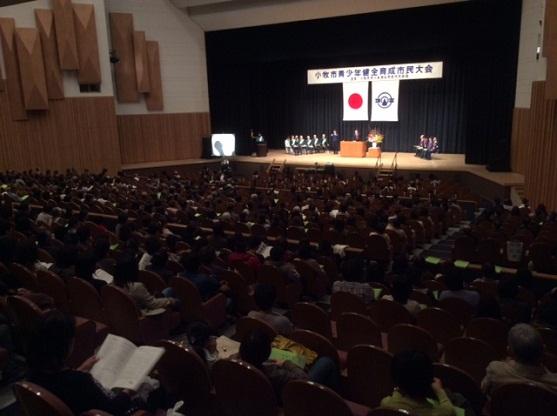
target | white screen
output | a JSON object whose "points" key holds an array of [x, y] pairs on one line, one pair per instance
{"points": [[223, 144]]}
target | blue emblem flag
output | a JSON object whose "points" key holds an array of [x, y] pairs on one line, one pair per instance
{"points": [[384, 100]]}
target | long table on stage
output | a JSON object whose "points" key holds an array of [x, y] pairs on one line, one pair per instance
{"points": [[353, 149]]}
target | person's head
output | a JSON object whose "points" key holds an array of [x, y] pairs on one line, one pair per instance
{"points": [[126, 270], [352, 269], [191, 262], [51, 341], [277, 253], [454, 279], [265, 296], [412, 373], [26, 252], [401, 289], [102, 247], [85, 266], [255, 348], [67, 256], [160, 258], [525, 344], [152, 245], [83, 234], [200, 337], [489, 272], [305, 251], [508, 288]]}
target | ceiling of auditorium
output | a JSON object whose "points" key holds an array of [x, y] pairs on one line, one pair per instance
{"points": [[228, 14]]}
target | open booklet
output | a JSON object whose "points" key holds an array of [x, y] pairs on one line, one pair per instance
{"points": [[122, 364]]}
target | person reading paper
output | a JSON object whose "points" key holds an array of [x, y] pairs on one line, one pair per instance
{"points": [[49, 346]]}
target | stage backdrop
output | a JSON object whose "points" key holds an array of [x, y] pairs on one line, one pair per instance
{"points": [[258, 79]]}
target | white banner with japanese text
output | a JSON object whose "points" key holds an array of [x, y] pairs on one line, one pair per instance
{"points": [[422, 70]]}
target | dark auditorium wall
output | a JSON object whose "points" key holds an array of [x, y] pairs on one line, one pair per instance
{"points": [[74, 132], [257, 76]]}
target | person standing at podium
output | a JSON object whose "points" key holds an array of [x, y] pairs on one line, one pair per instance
{"points": [[356, 136], [335, 141]]}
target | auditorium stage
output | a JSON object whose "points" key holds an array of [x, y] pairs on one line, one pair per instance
{"points": [[484, 183], [404, 162]]}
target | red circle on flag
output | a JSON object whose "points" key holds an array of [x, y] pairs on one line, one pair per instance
{"points": [[355, 101]]}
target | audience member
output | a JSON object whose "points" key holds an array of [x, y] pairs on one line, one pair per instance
{"points": [[525, 362], [415, 386], [265, 297]]}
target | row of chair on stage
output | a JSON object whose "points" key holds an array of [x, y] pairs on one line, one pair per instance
{"points": [[426, 147], [298, 145]]}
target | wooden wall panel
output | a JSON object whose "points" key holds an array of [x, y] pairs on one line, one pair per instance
{"points": [[1, 80], [121, 29], [535, 146], [13, 83], [550, 27], [519, 146], [161, 137], [65, 34], [87, 44], [154, 99], [141, 62], [76, 132], [53, 73], [31, 68]]}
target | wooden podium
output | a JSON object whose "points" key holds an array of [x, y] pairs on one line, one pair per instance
{"points": [[374, 152], [353, 149]]}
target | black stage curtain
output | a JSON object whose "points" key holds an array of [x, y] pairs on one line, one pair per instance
{"points": [[257, 77]]}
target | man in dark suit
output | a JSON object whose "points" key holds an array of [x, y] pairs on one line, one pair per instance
{"points": [[356, 136], [335, 141]]}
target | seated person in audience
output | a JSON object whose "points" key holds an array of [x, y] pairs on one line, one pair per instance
{"points": [[277, 259], [546, 315], [204, 343], [218, 239], [159, 265], [352, 280], [401, 290], [265, 297], [65, 261], [207, 285], [455, 283], [524, 365], [512, 308], [255, 349], [305, 253], [26, 254], [152, 245], [85, 268], [49, 346], [102, 254], [45, 217], [209, 262], [125, 277], [416, 390], [241, 255]]}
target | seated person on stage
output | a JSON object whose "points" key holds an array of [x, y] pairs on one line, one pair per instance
{"points": [[324, 143], [316, 143], [524, 365], [302, 143], [423, 153], [420, 145], [259, 138], [295, 143], [309, 144], [356, 136], [288, 145]]}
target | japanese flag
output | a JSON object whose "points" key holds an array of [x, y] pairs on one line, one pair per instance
{"points": [[355, 100], [384, 100]]}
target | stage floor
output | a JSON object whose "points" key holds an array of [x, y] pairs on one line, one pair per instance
{"points": [[405, 162]]}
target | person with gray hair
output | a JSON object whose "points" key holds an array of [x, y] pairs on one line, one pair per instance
{"points": [[524, 364]]}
